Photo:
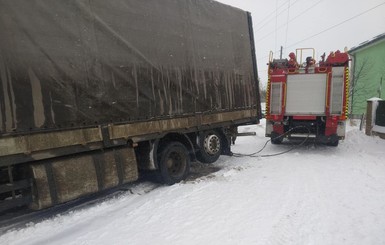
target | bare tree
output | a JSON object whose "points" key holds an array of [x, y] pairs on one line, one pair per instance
{"points": [[381, 82], [262, 91], [359, 85], [379, 90]]}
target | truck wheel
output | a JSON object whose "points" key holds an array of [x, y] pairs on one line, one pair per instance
{"points": [[174, 163], [333, 143], [275, 138], [210, 147]]}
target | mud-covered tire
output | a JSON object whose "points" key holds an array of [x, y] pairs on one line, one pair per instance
{"points": [[174, 163], [275, 138], [210, 146]]}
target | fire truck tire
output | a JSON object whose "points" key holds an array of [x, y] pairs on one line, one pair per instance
{"points": [[174, 163], [275, 138], [333, 143], [210, 147]]}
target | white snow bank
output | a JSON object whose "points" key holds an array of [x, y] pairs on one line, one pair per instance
{"points": [[374, 99], [378, 129], [312, 195]]}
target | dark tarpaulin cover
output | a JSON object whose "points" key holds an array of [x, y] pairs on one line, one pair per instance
{"points": [[79, 63]]}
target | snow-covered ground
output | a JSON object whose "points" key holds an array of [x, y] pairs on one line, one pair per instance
{"points": [[312, 195]]}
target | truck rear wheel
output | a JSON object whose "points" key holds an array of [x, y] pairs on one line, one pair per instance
{"points": [[276, 138], [174, 163], [210, 147], [333, 143]]}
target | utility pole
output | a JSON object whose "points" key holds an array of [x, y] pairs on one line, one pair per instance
{"points": [[280, 56]]}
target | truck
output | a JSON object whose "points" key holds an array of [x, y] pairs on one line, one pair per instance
{"points": [[306, 98], [94, 92]]}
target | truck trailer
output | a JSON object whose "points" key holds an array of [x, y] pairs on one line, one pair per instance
{"points": [[306, 98], [93, 92]]}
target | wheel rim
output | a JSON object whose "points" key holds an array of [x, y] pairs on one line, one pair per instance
{"points": [[212, 144]]}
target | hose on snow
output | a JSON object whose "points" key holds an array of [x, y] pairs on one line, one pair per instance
{"points": [[255, 154]]}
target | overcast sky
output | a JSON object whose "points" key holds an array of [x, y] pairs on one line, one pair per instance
{"points": [[326, 25]]}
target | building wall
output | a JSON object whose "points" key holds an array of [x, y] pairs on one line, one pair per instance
{"points": [[368, 70]]}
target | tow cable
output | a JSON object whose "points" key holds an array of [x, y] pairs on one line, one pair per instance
{"points": [[280, 153]]}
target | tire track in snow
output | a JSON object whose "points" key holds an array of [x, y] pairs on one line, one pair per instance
{"points": [[298, 216]]}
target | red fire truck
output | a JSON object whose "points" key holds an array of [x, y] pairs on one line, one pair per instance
{"points": [[305, 98]]}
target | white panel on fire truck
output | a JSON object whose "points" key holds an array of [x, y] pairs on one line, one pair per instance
{"points": [[337, 93], [276, 98], [306, 94]]}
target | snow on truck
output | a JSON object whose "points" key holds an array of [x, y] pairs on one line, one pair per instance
{"points": [[305, 98], [91, 92]]}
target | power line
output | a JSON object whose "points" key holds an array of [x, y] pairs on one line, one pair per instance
{"points": [[305, 11], [364, 12], [269, 15], [334, 26], [287, 23], [276, 23], [265, 21], [297, 16]]}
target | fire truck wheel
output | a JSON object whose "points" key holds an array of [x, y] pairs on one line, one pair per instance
{"points": [[275, 138], [210, 146], [333, 143], [174, 163]]}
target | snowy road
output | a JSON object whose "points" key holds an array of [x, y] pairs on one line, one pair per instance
{"points": [[312, 195]]}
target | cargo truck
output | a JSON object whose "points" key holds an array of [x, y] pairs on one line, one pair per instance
{"points": [[93, 92]]}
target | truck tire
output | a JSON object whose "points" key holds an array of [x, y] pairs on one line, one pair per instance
{"points": [[333, 143], [174, 163], [275, 138], [210, 147]]}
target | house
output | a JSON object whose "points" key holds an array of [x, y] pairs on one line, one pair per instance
{"points": [[367, 74]]}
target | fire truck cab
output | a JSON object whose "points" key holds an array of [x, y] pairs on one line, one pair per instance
{"points": [[305, 98]]}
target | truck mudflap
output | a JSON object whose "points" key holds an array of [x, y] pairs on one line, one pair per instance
{"points": [[341, 129], [62, 180]]}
